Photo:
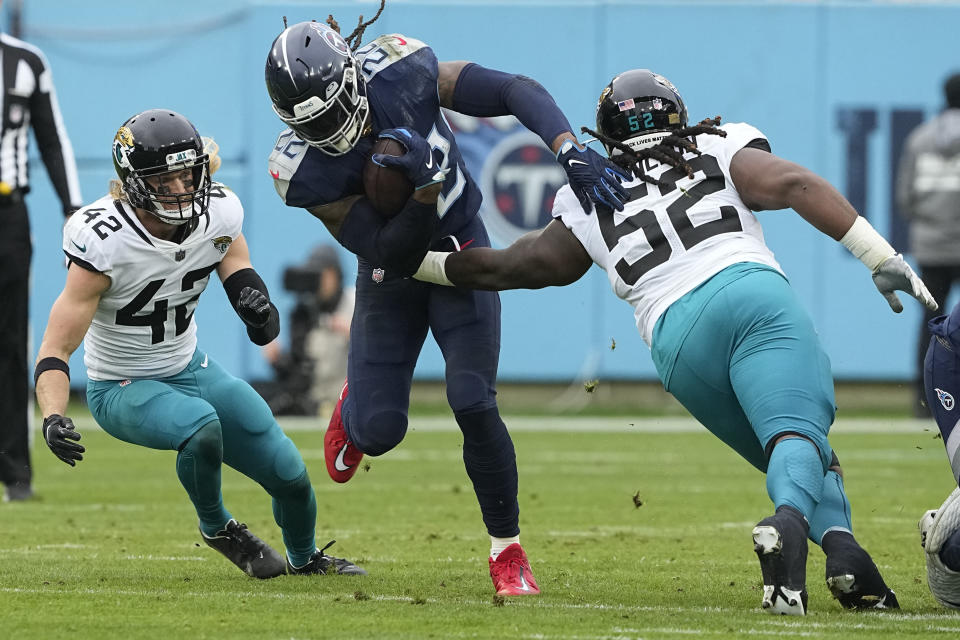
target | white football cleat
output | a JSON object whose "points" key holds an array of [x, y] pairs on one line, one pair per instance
{"points": [[935, 528], [780, 543]]}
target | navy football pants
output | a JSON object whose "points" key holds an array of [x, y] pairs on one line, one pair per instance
{"points": [[941, 377], [390, 323]]}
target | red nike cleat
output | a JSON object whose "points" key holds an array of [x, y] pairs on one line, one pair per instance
{"points": [[343, 458], [511, 573]]}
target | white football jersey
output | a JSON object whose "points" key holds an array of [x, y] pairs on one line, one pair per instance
{"points": [[144, 326], [668, 240]]}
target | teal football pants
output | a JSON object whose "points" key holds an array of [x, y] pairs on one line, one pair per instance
{"points": [[165, 413], [742, 355]]}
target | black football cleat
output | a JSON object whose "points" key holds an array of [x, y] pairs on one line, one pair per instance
{"points": [[852, 576], [322, 564], [17, 492], [254, 556], [780, 542]]}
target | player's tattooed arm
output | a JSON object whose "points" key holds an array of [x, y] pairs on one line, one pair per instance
{"points": [[333, 214], [399, 242], [447, 81]]}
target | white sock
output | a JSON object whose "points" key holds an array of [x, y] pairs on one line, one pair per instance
{"points": [[499, 544]]}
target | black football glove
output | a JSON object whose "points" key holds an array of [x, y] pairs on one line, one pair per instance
{"points": [[418, 162], [253, 307], [593, 177], [59, 432]]}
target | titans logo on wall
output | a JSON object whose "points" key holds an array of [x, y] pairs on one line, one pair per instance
{"points": [[517, 174]]}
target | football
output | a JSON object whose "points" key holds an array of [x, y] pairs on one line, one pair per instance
{"points": [[386, 188]]}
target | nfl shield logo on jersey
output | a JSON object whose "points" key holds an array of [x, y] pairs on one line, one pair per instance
{"points": [[945, 399], [180, 255], [377, 275]]}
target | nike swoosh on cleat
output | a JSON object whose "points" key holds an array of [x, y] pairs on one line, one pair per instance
{"points": [[573, 162], [338, 464], [523, 583]]}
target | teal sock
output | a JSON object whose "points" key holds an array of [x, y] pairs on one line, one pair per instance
{"points": [[795, 475], [295, 511], [198, 467], [833, 510]]}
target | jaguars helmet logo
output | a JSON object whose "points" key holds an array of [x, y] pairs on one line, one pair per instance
{"points": [[122, 144], [222, 243], [125, 136], [604, 95]]}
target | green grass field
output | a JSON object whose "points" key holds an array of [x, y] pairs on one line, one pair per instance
{"points": [[110, 549]]}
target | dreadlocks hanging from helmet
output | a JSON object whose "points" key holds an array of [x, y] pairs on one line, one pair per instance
{"points": [[356, 36]]}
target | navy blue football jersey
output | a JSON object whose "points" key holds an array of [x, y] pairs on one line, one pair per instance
{"points": [[401, 78]]}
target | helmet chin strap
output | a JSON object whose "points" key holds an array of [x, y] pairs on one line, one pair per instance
{"points": [[157, 208]]}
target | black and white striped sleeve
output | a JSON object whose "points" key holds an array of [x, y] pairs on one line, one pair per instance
{"points": [[52, 140]]}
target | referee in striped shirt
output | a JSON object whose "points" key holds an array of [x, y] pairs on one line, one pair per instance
{"points": [[28, 100]]}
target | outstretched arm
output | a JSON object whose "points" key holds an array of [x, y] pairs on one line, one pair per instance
{"points": [[469, 88], [551, 256], [766, 181]]}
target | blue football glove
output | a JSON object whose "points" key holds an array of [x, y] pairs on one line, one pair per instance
{"points": [[418, 162], [593, 177]]}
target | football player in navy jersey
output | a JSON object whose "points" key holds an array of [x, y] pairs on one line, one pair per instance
{"points": [[336, 103], [728, 336], [940, 528], [139, 258]]}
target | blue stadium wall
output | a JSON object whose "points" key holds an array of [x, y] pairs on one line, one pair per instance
{"points": [[834, 85]]}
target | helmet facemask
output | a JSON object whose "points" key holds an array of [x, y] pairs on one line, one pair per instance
{"points": [[157, 189], [335, 122]]}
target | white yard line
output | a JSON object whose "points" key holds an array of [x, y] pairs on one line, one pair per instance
{"points": [[856, 621], [618, 424]]}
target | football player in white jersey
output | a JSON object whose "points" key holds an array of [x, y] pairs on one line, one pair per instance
{"points": [[138, 259], [728, 335]]}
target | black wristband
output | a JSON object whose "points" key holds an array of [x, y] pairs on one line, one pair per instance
{"points": [[248, 277], [48, 363], [268, 332]]}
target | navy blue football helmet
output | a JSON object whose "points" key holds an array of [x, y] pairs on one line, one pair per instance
{"points": [[639, 108], [156, 149], [315, 84]]}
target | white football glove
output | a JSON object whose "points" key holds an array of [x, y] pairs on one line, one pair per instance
{"points": [[894, 274]]}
